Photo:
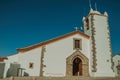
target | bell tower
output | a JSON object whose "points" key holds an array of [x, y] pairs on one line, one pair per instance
{"points": [[97, 27]]}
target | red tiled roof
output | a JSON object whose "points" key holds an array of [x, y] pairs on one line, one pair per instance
{"points": [[3, 58]]}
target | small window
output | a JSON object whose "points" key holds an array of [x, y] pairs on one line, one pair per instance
{"points": [[31, 65], [77, 44], [107, 60]]}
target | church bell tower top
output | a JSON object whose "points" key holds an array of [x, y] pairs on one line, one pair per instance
{"points": [[94, 11]]}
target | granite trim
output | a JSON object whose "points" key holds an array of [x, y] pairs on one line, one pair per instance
{"points": [[69, 63], [93, 45], [42, 61]]}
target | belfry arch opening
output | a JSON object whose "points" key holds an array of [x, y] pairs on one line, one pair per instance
{"points": [[77, 67]]}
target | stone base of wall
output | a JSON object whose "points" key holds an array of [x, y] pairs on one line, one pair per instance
{"points": [[61, 78]]}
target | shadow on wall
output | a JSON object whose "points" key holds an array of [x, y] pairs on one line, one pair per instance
{"points": [[15, 71], [26, 74], [2, 66]]}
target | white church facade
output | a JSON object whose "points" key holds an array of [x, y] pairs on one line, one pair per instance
{"points": [[73, 54]]}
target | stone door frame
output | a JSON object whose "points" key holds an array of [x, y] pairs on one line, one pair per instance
{"points": [[69, 64]]}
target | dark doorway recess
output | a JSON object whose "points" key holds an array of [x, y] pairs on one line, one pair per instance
{"points": [[77, 67]]}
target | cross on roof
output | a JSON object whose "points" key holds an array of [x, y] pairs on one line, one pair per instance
{"points": [[76, 28]]}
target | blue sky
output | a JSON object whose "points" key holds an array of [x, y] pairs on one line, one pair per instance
{"points": [[27, 22]]}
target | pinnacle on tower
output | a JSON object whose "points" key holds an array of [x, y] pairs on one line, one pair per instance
{"points": [[105, 13]]}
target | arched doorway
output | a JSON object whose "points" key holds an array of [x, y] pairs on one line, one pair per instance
{"points": [[77, 67], [77, 64]]}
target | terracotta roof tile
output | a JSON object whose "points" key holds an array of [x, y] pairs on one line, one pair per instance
{"points": [[3, 58]]}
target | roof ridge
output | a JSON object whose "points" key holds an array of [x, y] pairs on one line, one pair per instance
{"points": [[50, 40]]}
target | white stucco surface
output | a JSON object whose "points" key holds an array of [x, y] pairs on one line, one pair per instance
{"points": [[32, 56], [57, 52], [103, 48]]}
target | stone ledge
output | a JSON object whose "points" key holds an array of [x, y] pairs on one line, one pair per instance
{"points": [[61, 78]]}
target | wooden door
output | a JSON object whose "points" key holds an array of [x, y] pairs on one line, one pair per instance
{"points": [[80, 69], [77, 67]]}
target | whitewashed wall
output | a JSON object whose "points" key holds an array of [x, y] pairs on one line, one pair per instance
{"points": [[11, 59], [103, 53], [57, 52], [32, 56]]}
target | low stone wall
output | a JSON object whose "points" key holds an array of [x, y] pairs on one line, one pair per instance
{"points": [[60, 78]]}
